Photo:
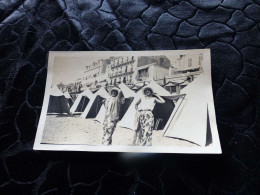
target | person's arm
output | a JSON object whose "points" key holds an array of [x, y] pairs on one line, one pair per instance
{"points": [[159, 99], [137, 103]]}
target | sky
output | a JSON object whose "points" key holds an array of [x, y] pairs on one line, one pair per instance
{"points": [[68, 69]]}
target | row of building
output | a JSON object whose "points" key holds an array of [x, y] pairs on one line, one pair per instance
{"points": [[135, 71]]}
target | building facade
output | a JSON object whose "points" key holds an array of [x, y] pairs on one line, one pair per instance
{"points": [[183, 70], [95, 74], [94, 71], [121, 69], [152, 68], [138, 70], [185, 64]]}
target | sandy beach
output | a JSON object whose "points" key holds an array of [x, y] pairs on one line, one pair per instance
{"points": [[65, 129]]}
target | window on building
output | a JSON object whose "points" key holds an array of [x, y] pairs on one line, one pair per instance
{"points": [[124, 80], [161, 61], [189, 62], [132, 58], [126, 69], [143, 73]]}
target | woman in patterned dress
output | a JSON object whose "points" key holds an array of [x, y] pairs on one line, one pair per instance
{"points": [[112, 105], [145, 118]]}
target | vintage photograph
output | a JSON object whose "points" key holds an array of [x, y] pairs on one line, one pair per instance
{"points": [[129, 101]]}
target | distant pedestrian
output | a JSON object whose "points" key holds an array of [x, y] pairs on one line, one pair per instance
{"points": [[112, 106], [145, 118]]}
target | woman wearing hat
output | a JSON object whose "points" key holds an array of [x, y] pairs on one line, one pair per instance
{"points": [[112, 105], [145, 118]]}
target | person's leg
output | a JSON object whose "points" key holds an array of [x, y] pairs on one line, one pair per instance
{"points": [[137, 129], [105, 126], [147, 141], [108, 132], [148, 129], [142, 127]]}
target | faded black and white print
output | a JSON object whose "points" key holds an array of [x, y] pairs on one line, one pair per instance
{"points": [[143, 101]]}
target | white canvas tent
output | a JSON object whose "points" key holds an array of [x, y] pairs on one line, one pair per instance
{"points": [[101, 114], [58, 103], [158, 89], [128, 121], [68, 97], [95, 103], [194, 129], [56, 92], [128, 95], [81, 101], [136, 87], [127, 92]]}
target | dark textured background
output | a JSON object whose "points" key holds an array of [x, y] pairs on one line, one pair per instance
{"points": [[29, 29]]}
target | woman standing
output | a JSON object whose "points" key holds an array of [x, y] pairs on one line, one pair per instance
{"points": [[112, 105], [145, 118]]}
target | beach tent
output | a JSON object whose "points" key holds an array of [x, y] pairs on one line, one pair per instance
{"points": [[68, 97], [137, 87], [162, 112], [127, 92], [101, 114], [81, 101], [175, 86], [95, 103], [128, 95], [58, 103], [194, 129]]}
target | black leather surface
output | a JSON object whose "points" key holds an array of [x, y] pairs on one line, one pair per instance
{"points": [[29, 29]]}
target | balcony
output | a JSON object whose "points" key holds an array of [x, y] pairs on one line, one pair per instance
{"points": [[142, 78], [122, 64], [122, 74]]}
